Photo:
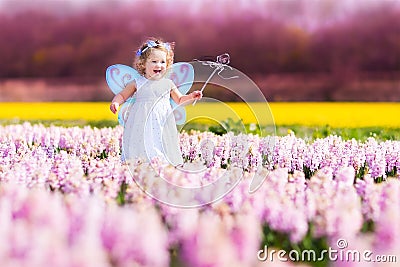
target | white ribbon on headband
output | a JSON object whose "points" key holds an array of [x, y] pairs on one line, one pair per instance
{"points": [[151, 44]]}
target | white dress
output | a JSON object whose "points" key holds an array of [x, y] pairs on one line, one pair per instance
{"points": [[150, 129]]}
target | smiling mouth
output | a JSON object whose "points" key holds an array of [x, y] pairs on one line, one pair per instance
{"points": [[157, 71]]}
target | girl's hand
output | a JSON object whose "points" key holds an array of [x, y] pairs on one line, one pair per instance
{"points": [[197, 95], [114, 107]]}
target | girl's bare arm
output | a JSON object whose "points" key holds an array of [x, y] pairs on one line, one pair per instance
{"points": [[120, 98], [180, 99]]}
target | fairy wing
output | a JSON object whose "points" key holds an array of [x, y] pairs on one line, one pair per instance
{"points": [[123, 110], [182, 74], [118, 76]]}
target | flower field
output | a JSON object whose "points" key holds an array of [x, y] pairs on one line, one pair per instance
{"points": [[67, 200], [336, 114]]}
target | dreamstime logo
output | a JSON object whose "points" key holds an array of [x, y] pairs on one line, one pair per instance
{"points": [[342, 254], [163, 182]]}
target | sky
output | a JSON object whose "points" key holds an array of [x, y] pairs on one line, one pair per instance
{"points": [[341, 5]]}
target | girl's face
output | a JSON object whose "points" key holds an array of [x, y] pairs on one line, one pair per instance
{"points": [[156, 64]]}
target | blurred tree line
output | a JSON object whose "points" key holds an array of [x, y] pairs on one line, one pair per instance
{"points": [[42, 44]]}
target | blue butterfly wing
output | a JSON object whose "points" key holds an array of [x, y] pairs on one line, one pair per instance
{"points": [[124, 110], [182, 74], [118, 76], [179, 113]]}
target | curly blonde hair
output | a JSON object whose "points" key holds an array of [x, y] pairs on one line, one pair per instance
{"points": [[142, 54]]}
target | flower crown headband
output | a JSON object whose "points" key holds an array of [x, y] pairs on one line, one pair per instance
{"points": [[152, 44]]}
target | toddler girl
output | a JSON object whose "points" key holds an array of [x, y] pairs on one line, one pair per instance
{"points": [[150, 129]]}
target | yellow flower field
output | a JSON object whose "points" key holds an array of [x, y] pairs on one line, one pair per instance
{"points": [[335, 114]]}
